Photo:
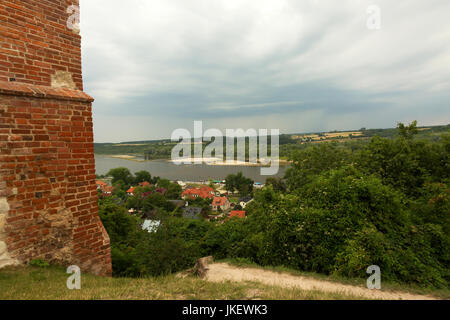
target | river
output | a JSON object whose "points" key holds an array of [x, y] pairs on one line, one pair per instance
{"points": [[168, 170]]}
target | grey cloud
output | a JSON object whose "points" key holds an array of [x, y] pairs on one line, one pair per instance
{"points": [[309, 65]]}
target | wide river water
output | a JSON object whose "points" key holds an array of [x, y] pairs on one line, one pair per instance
{"points": [[168, 170]]}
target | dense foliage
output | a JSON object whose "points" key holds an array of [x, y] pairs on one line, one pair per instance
{"points": [[135, 252], [237, 182], [338, 211]]}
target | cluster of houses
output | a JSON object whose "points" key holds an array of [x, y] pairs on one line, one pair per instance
{"points": [[105, 189], [221, 206], [144, 184]]}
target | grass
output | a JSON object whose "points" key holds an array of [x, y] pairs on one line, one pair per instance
{"points": [[386, 285], [35, 283], [234, 200]]}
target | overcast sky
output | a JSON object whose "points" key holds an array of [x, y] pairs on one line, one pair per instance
{"points": [[294, 65]]}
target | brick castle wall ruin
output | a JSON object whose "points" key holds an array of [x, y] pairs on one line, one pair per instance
{"points": [[48, 195]]}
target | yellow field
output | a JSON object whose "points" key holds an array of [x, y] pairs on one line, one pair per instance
{"points": [[328, 135]]}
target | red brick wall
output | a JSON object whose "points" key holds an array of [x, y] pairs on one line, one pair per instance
{"points": [[35, 41], [48, 195], [47, 171]]}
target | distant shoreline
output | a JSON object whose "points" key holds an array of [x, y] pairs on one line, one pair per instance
{"points": [[208, 161], [123, 156], [218, 162]]}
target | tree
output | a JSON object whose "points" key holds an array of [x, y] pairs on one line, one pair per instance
{"points": [[154, 201], [229, 183], [174, 191], [154, 180], [409, 131], [405, 163], [285, 139], [314, 160], [119, 185], [135, 202], [240, 183], [277, 183], [142, 176], [121, 174], [164, 183]]}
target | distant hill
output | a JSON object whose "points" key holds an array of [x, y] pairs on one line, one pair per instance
{"points": [[162, 149]]}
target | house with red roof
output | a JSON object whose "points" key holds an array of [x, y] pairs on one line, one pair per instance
{"points": [[130, 191], [100, 184], [145, 184], [237, 214], [194, 193], [220, 202], [107, 191], [163, 191], [207, 189]]}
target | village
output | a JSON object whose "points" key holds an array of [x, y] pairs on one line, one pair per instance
{"points": [[208, 200]]}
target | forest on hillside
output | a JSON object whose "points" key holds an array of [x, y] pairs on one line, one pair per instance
{"points": [[289, 143]]}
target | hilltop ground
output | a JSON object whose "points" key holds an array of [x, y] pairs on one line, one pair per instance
{"points": [[31, 283], [219, 272]]}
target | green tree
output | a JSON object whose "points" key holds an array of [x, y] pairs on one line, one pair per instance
{"points": [[120, 185], [135, 202], [277, 184], [142, 176], [240, 183], [164, 183], [405, 163], [121, 174], [125, 235], [174, 191], [154, 201], [409, 131], [313, 160]]}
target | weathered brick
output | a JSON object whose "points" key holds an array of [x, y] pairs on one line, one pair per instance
{"points": [[46, 141]]}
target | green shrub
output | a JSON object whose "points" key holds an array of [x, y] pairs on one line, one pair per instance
{"points": [[39, 263]]}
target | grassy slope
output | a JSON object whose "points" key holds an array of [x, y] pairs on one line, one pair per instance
{"points": [[33, 283]]}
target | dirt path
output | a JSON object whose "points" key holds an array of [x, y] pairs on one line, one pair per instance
{"points": [[219, 272]]}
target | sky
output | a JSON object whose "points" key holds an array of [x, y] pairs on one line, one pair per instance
{"points": [[299, 66]]}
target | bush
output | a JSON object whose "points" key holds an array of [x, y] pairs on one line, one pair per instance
{"points": [[343, 222], [39, 263], [175, 246]]}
